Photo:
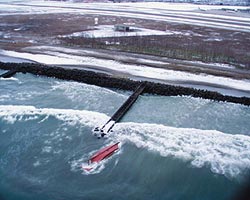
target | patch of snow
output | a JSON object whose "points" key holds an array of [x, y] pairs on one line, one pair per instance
{"points": [[108, 31], [6, 36], [170, 12], [108, 43], [12, 59], [222, 65], [134, 70], [18, 29], [32, 41], [213, 39], [151, 61]]}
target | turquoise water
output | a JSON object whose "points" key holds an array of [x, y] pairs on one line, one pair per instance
{"points": [[171, 147]]}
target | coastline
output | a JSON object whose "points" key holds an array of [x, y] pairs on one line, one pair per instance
{"points": [[108, 81]]}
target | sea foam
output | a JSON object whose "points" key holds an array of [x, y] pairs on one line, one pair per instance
{"points": [[12, 113], [223, 153], [226, 154], [76, 91]]}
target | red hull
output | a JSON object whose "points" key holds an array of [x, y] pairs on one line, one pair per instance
{"points": [[104, 153]]}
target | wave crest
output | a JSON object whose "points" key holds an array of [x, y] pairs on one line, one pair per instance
{"points": [[12, 113], [224, 153]]}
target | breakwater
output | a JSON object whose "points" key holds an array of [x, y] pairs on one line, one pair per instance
{"points": [[104, 80]]}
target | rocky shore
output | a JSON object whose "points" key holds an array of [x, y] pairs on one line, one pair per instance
{"points": [[104, 80]]}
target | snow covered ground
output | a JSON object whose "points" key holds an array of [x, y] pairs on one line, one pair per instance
{"points": [[198, 15], [58, 57], [108, 31]]}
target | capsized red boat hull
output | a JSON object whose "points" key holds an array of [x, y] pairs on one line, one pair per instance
{"points": [[104, 153], [100, 155]]}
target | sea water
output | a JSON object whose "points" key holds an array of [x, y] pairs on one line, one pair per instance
{"points": [[171, 147]]}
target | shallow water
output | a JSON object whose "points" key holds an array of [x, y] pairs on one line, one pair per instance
{"points": [[171, 147]]}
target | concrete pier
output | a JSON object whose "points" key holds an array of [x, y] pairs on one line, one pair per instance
{"points": [[117, 116], [8, 74]]}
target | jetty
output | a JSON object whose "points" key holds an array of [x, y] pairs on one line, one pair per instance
{"points": [[109, 81], [117, 116], [8, 74]]}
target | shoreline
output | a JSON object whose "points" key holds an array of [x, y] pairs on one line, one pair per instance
{"points": [[108, 81], [140, 67]]}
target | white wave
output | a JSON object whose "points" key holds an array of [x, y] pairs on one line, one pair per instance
{"points": [[19, 96], [47, 149], [81, 163], [75, 90], [12, 113], [223, 153], [9, 79], [37, 163]]}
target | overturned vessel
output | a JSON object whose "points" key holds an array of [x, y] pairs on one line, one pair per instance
{"points": [[100, 155]]}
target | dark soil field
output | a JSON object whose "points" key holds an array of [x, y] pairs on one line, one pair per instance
{"points": [[190, 42]]}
